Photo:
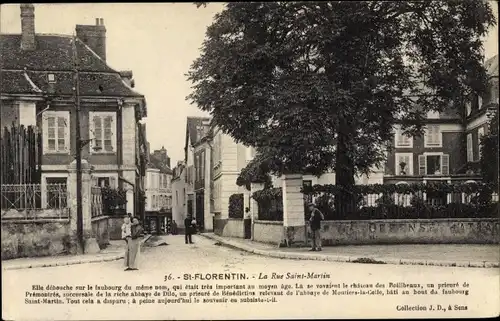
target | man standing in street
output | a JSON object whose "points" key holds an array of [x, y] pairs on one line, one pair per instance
{"points": [[189, 229], [315, 224]]}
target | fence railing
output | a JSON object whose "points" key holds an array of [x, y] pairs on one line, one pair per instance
{"points": [[96, 201], [43, 201], [389, 205]]}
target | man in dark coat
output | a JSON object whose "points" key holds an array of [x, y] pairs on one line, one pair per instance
{"points": [[315, 223], [188, 229]]}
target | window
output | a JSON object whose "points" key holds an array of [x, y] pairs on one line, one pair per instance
{"points": [[56, 132], [470, 151], [56, 192], [402, 140], [480, 134], [432, 137], [434, 164], [404, 164], [104, 181], [51, 78], [433, 114], [102, 132]]}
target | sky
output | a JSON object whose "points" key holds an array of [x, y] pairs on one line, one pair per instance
{"points": [[158, 42]]}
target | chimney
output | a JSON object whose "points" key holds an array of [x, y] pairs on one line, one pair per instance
{"points": [[94, 37], [28, 26]]}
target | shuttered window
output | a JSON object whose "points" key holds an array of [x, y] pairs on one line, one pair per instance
{"points": [[405, 159], [434, 164], [432, 136], [56, 132], [102, 132], [401, 139]]}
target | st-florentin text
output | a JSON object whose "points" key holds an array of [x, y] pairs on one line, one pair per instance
{"points": [[296, 276], [214, 276]]}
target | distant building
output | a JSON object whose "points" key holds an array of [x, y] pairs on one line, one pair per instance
{"points": [[158, 192]]}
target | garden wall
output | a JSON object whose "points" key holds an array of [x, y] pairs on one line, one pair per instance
{"points": [[100, 229], [29, 238], [268, 231], [231, 227], [431, 231]]}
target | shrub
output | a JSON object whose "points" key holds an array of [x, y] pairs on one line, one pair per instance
{"points": [[236, 206], [270, 204]]}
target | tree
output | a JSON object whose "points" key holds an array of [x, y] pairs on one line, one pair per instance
{"points": [[317, 86]]}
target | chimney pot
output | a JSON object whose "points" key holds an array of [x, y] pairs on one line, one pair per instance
{"points": [[94, 36], [27, 26]]}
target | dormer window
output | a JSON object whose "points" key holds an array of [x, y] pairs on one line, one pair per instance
{"points": [[51, 78]]}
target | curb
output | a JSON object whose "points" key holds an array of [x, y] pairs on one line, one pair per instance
{"points": [[107, 258], [347, 259]]}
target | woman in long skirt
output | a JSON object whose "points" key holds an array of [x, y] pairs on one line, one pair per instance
{"points": [[126, 236], [135, 244]]}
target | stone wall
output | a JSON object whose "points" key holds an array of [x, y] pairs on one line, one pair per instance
{"points": [[115, 227], [268, 231], [435, 231], [231, 227], [100, 229], [30, 238]]}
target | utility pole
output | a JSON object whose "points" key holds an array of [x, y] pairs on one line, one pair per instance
{"points": [[76, 95]]}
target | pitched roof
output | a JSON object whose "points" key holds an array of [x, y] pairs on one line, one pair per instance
{"points": [[192, 127], [54, 55], [156, 163]]}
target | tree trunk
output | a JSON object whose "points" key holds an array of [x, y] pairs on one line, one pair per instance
{"points": [[344, 171]]}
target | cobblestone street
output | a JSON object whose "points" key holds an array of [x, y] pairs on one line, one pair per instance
{"points": [[177, 259]]}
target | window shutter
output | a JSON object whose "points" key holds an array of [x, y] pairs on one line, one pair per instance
{"points": [[399, 137], [113, 182], [445, 164], [468, 108], [422, 165], [95, 181], [113, 132], [91, 132], [66, 134], [479, 102], [45, 138], [470, 152]]}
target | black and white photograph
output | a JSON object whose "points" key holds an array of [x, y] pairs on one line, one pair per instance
{"points": [[249, 160]]}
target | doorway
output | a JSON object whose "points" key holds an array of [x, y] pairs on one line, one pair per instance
{"points": [[200, 210]]}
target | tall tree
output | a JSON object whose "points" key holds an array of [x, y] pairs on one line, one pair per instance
{"points": [[317, 86]]}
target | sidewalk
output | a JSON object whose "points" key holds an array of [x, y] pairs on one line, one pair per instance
{"points": [[113, 252], [456, 255]]}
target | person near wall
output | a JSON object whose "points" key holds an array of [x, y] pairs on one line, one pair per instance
{"points": [[189, 229], [137, 232], [315, 224], [173, 228], [126, 236]]}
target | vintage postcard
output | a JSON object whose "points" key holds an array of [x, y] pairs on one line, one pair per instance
{"points": [[264, 160]]}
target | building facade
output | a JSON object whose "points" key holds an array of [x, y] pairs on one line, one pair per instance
{"points": [[194, 160], [179, 194], [449, 150], [37, 81]]}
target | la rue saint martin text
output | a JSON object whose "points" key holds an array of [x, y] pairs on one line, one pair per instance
{"points": [[288, 276]]}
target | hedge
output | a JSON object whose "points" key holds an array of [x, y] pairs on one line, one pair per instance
{"points": [[481, 205], [236, 206]]}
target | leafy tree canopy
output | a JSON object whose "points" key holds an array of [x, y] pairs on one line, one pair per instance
{"points": [[320, 85]]}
